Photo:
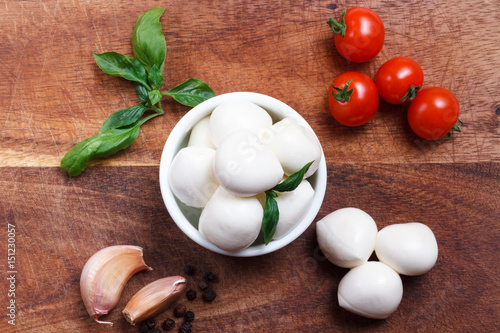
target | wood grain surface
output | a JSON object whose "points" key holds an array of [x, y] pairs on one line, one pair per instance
{"points": [[52, 95]]}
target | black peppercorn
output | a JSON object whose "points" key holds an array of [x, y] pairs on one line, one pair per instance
{"points": [[209, 276], [209, 295], [189, 270], [189, 316], [191, 294], [144, 328], [168, 324], [186, 327], [155, 330], [179, 310], [151, 323], [203, 285]]}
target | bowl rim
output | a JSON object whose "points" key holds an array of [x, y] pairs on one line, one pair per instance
{"points": [[173, 145]]}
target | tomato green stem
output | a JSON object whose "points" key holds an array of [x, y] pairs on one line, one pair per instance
{"points": [[338, 27], [456, 128], [343, 94], [411, 93]]}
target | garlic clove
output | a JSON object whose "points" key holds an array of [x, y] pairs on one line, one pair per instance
{"points": [[154, 298], [104, 276]]}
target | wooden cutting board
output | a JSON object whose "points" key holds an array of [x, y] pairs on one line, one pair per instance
{"points": [[52, 95]]}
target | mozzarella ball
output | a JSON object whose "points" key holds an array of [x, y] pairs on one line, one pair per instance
{"points": [[191, 176], [200, 134], [373, 290], [347, 237], [292, 207], [245, 166], [231, 117], [229, 222], [294, 145], [409, 248]]}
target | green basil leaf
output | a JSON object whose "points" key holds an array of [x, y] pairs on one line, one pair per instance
{"points": [[271, 217], [123, 117], [148, 41], [142, 92], [155, 77], [292, 182], [191, 92], [100, 145], [117, 64], [154, 96]]}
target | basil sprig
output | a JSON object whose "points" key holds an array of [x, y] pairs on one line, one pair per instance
{"points": [[271, 212], [145, 71]]}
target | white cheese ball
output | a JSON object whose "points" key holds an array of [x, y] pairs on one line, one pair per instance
{"points": [[191, 176], [409, 248], [245, 166], [347, 237], [200, 134], [294, 145], [229, 222], [231, 117], [292, 207], [373, 290]]}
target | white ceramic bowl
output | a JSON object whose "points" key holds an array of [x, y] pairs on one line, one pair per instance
{"points": [[186, 217]]}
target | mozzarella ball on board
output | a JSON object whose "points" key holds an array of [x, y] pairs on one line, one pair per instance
{"points": [[200, 134], [373, 290], [409, 248], [294, 145], [292, 207], [229, 222], [191, 176], [245, 166], [347, 237], [231, 117]]}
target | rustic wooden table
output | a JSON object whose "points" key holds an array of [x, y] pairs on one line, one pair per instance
{"points": [[52, 95]]}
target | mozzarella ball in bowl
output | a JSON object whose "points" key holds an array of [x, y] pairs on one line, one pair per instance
{"points": [[347, 237], [294, 145], [191, 176], [409, 248], [231, 117], [244, 166], [231, 223], [292, 207]]}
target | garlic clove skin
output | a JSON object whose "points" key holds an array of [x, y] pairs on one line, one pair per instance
{"points": [[372, 290], [294, 145], [409, 248], [191, 176], [233, 116], [154, 298], [347, 237], [244, 166], [292, 207], [104, 276], [200, 134], [230, 222]]}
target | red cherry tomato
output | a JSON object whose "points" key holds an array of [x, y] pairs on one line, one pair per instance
{"points": [[353, 99], [399, 79], [433, 113], [359, 36]]}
